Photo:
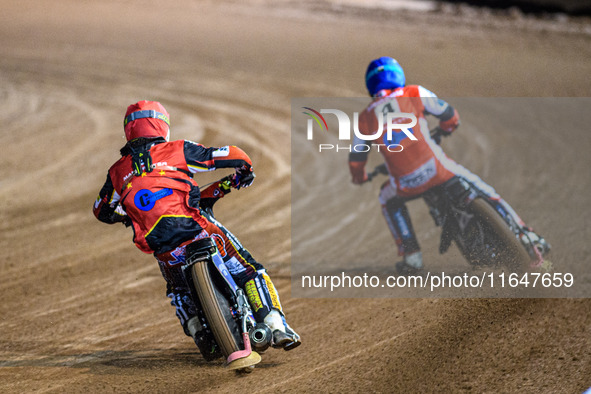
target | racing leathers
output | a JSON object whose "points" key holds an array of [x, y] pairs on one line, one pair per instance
{"points": [[415, 165], [151, 188]]}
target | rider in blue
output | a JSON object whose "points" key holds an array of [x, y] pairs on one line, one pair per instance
{"points": [[421, 165]]}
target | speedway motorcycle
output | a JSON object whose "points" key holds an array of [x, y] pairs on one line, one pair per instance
{"points": [[228, 328], [483, 231]]}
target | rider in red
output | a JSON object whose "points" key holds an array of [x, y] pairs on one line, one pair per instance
{"points": [[151, 189], [421, 164]]}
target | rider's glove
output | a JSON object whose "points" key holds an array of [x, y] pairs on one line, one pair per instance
{"points": [[357, 169], [444, 130], [226, 183], [244, 177], [360, 179], [126, 221], [449, 125], [119, 215]]}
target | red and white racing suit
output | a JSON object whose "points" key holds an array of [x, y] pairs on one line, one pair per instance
{"points": [[419, 165], [163, 207]]}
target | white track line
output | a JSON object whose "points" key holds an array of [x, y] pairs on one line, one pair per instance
{"points": [[338, 360]]}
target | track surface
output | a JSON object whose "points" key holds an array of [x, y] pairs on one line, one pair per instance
{"points": [[83, 310]]}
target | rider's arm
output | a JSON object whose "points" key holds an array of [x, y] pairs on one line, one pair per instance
{"points": [[200, 158], [357, 167], [106, 207], [357, 160], [449, 119]]}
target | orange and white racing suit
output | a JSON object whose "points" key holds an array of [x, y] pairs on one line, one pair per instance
{"points": [[415, 165]]}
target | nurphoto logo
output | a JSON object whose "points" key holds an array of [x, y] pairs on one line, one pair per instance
{"points": [[392, 130]]}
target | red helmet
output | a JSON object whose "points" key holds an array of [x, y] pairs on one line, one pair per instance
{"points": [[146, 119]]}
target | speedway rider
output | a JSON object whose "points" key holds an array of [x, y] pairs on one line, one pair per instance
{"points": [[421, 164], [151, 188]]}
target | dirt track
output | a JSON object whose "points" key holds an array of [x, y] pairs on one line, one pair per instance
{"points": [[83, 309]]}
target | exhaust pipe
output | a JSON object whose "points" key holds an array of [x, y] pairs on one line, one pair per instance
{"points": [[261, 337]]}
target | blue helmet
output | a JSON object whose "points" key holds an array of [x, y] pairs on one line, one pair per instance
{"points": [[384, 73]]}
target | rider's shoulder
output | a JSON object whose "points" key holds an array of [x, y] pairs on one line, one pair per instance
{"points": [[120, 168], [176, 144], [415, 91], [190, 143]]}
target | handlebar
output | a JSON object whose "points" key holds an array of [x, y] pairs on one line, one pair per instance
{"points": [[227, 180], [379, 169], [437, 133]]}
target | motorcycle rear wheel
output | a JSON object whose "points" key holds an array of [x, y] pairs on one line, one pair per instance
{"points": [[217, 308], [503, 246]]}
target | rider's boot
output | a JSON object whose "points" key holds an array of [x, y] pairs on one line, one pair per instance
{"points": [[284, 337], [193, 326], [205, 343], [412, 264], [529, 237], [266, 307]]}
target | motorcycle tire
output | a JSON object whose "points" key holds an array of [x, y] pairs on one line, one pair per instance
{"points": [[216, 307], [508, 250]]}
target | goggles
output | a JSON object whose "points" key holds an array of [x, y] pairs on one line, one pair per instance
{"points": [[147, 113]]}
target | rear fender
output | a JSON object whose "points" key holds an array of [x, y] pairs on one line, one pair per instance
{"points": [[459, 193], [451, 201], [205, 249]]}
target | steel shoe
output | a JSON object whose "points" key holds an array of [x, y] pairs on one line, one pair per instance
{"points": [[286, 340]]}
